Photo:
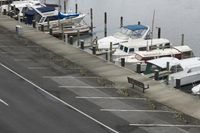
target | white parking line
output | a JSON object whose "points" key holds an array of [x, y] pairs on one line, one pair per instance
{"points": [[164, 125], [37, 68], [4, 102], [121, 98], [147, 111], [60, 77], [86, 87], [65, 103]]}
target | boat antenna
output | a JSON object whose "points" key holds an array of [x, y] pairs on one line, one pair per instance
{"points": [[153, 20]]}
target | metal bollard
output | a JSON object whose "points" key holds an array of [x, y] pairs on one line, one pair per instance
{"points": [[4, 12], [123, 62], [82, 44], [156, 75], [71, 40], [34, 23], [178, 83], [138, 68], [94, 50], [106, 55]]}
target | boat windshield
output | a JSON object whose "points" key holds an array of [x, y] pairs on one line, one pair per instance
{"points": [[138, 33], [121, 47], [123, 34], [126, 49]]}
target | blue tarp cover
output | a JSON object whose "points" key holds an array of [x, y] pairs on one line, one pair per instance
{"points": [[136, 27], [46, 9], [67, 16]]}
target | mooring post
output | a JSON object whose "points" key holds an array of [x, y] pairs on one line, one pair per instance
{"points": [[106, 55], [42, 28], [168, 69], [71, 40], [111, 52], [178, 83], [182, 39], [50, 31], [82, 44], [139, 22], [78, 37], [48, 24], [156, 74], [4, 12], [65, 9], [76, 8], [34, 23], [62, 32], [159, 32], [123, 62], [105, 24], [121, 21], [94, 50], [91, 18], [138, 68]]}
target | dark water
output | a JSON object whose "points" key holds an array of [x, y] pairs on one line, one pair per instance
{"points": [[173, 16]]}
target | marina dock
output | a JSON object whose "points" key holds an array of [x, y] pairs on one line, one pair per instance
{"points": [[117, 75]]}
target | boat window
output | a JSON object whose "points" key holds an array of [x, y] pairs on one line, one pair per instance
{"points": [[143, 49], [37, 17], [121, 47], [153, 47], [125, 49], [138, 33], [176, 68], [167, 45], [51, 18], [131, 50], [160, 46]]}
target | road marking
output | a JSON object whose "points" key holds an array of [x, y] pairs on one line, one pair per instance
{"points": [[86, 87], [21, 60], [60, 77], [131, 98], [37, 68], [164, 125], [65, 103], [4, 102], [147, 111]]}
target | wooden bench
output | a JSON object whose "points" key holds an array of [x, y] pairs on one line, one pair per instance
{"points": [[138, 83]]}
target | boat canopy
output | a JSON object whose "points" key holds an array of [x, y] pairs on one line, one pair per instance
{"points": [[161, 62], [136, 27], [67, 16], [46, 9]]}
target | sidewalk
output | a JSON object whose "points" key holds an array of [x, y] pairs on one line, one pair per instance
{"points": [[161, 93]]}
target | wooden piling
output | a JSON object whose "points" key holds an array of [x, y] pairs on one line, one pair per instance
{"points": [[182, 39], [91, 18], [76, 8], [82, 44], [138, 68], [156, 75], [111, 52], [122, 62], [105, 24], [121, 21], [159, 32], [65, 9], [168, 69], [71, 40], [34, 23]]}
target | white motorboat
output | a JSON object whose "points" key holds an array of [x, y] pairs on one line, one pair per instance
{"points": [[142, 57], [55, 18], [123, 35], [132, 46], [187, 72]]}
